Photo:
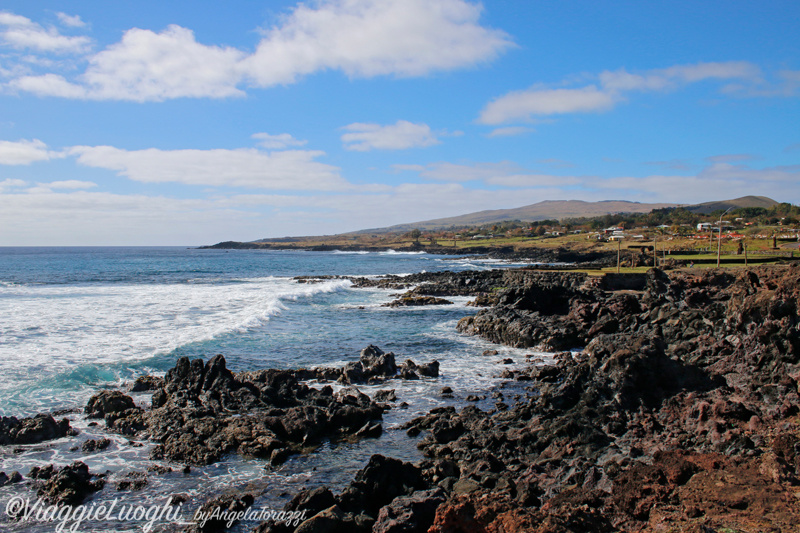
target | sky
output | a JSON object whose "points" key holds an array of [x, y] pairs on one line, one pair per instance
{"points": [[195, 122]]}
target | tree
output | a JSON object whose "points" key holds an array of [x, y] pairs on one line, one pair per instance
{"points": [[415, 234]]}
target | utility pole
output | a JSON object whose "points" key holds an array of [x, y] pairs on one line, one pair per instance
{"points": [[619, 248], [744, 244], [719, 229], [655, 252]]}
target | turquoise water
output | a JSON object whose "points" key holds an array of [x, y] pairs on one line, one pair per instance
{"points": [[78, 319]]}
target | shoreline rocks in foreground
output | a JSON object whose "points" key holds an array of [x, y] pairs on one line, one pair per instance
{"points": [[682, 413], [202, 411]]}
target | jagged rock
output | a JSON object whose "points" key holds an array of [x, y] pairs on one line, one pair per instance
{"points": [[39, 428], [146, 384], [407, 301], [93, 445], [384, 395], [5, 479], [69, 485], [108, 403]]}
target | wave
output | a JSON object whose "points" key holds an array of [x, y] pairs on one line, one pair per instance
{"points": [[50, 330], [395, 252]]}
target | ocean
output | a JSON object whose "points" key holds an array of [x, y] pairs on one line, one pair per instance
{"points": [[77, 320]]}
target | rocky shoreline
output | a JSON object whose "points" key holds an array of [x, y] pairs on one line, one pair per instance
{"points": [[681, 413], [673, 406]]}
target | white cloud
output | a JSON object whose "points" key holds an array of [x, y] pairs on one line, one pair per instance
{"points": [[69, 184], [366, 38], [49, 85], [673, 77], [72, 21], [22, 33], [8, 184], [277, 142], [148, 66], [362, 38], [399, 136], [787, 85], [23, 152], [524, 105], [290, 170]]}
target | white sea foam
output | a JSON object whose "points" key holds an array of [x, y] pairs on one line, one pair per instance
{"points": [[50, 329], [395, 252]]}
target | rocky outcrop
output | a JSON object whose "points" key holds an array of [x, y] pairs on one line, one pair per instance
{"points": [[411, 300], [39, 428], [681, 411], [69, 485], [204, 411]]}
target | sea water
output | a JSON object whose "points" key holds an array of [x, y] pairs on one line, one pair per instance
{"points": [[77, 320]]}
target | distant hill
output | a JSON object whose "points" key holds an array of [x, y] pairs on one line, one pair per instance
{"points": [[549, 209], [744, 201]]}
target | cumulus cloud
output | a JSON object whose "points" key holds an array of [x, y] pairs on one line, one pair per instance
{"points": [[612, 86], [277, 142], [362, 38], [291, 169], [365, 38], [149, 66], [398, 136], [23, 152], [22, 33]]}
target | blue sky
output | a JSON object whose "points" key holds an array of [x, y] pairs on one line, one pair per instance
{"points": [[186, 123]]}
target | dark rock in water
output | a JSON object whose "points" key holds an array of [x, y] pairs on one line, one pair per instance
{"points": [[6, 479], [409, 300], [411, 370], [369, 431], [69, 485], [93, 445], [146, 384], [204, 411], [385, 395], [32, 430], [108, 403], [132, 481], [409, 514], [376, 362]]}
